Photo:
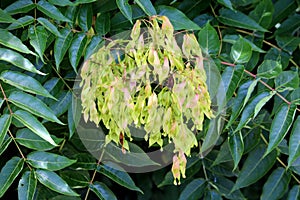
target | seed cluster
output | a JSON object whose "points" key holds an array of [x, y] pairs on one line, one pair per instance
{"points": [[155, 81]]}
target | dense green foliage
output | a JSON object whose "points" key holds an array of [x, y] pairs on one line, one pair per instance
{"points": [[254, 46]]}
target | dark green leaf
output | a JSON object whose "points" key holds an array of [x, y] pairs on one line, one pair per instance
{"points": [[233, 38], [243, 95], [27, 186], [294, 145], [263, 13], [209, 40], [225, 186], [226, 3], [288, 43], [241, 51], [192, 9], [238, 19], [255, 167], [18, 60], [276, 185], [282, 56], [34, 125], [178, 19], [283, 147], [224, 154], [212, 135], [236, 146], [63, 197], [5, 121], [71, 123], [287, 80], [62, 104], [49, 26], [20, 6], [9, 40], [102, 191], [290, 25], [224, 169], [102, 24], [269, 69], [5, 144], [283, 8], [85, 161], [9, 173], [24, 82], [212, 195], [295, 96], [238, 3], [33, 105], [49, 161], [296, 166], [77, 2], [5, 17], [281, 125], [125, 9], [251, 139], [62, 45], [117, 174], [76, 179], [54, 85], [252, 109], [93, 46], [85, 17], [61, 2], [118, 21], [31, 140], [51, 11], [54, 182], [38, 39], [294, 193], [72, 14], [76, 49], [21, 22], [231, 78], [146, 6], [193, 190]]}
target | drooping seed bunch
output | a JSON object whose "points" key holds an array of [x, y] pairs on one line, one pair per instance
{"points": [[153, 80]]}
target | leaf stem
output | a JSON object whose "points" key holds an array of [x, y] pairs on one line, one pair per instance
{"points": [[94, 173], [6, 100], [203, 164], [9, 132], [280, 161], [264, 83]]}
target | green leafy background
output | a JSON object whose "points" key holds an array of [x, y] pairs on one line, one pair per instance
{"points": [[255, 45]]}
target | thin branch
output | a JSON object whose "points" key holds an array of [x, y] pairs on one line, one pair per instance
{"points": [[35, 11], [6, 100], [10, 133], [63, 80], [203, 164], [94, 174], [279, 160], [264, 83], [264, 41], [272, 45], [294, 63]]}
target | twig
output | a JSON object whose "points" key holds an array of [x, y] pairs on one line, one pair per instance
{"points": [[94, 174], [6, 100], [280, 161], [9, 132], [264, 83]]}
